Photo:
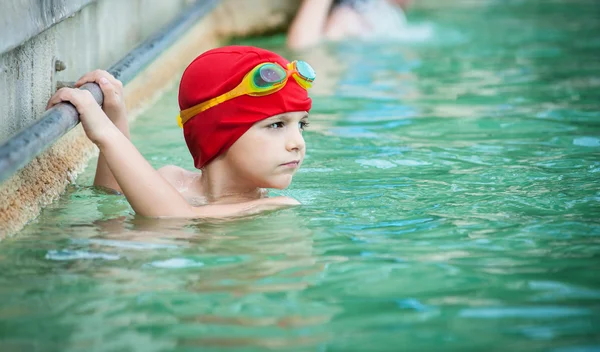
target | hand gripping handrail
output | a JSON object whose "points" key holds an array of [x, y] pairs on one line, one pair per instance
{"points": [[27, 144]]}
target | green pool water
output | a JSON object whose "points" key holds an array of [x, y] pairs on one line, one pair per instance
{"points": [[451, 201]]}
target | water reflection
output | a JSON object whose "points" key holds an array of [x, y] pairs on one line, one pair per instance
{"points": [[243, 278]]}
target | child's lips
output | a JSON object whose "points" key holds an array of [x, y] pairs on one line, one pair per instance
{"points": [[291, 164]]}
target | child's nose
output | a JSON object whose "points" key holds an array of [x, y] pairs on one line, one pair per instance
{"points": [[295, 140]]}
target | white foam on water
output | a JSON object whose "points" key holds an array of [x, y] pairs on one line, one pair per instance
{"points": [[67, 254], [176, 263], [414, 33], [389, 22]]}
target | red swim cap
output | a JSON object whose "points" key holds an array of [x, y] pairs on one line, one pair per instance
{"points": [[216, 72]]}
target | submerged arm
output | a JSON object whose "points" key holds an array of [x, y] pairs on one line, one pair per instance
{"points": [[104, 177]]}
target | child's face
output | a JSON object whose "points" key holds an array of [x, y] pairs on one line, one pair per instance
{"points": [[271, 151]]}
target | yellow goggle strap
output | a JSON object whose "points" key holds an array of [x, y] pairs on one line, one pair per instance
{"points": [[240, 90], [187, 114]]}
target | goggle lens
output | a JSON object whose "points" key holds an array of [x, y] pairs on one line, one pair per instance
{"points": [[305, 70], [268, 75]]}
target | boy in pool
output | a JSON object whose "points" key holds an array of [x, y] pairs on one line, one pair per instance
{"points": [[243, 110]]}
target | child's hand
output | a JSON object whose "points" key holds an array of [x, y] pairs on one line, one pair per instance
{"points": [[112, 88], [95, 122]]}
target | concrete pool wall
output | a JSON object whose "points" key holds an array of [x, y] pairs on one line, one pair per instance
{"points": [[44, 42]]}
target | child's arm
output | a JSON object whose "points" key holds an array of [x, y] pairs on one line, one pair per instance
{"points": [[309, 23], [146, 190], [152, 195], [114, 108]]}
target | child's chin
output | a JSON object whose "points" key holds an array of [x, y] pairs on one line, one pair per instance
{"points": [[281, 182]]}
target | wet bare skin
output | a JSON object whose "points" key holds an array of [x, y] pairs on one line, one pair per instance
{"points": [[188, 184], [185, 182]]}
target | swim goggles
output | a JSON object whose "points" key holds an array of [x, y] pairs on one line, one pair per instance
{"points": [[264, 79]]}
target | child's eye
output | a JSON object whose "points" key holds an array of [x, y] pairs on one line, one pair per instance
{"points": [[276, 125], [303, 125]]}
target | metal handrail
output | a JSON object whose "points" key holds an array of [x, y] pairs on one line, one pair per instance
{"points": [[27, 144]]}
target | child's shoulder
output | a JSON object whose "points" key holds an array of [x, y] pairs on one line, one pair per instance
{"points": [[183, 180]]}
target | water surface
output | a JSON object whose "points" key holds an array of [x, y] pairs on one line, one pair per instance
{"points": [[451, 202]]}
